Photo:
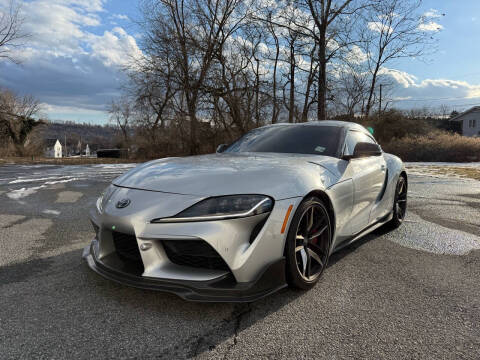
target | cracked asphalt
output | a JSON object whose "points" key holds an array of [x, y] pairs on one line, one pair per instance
{"points": [[410, 293]]}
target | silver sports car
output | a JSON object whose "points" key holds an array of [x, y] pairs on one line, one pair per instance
{"points": [[261, 213]]}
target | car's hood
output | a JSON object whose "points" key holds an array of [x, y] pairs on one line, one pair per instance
{"points": [[277, 175]]}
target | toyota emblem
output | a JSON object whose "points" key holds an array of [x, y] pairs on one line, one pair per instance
{"points": [[123, 203]]}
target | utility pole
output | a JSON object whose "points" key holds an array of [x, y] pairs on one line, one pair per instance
{"points": [[380, 102]]}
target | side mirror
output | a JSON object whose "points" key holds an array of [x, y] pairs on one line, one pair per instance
{"points": [[221, 148], [364, 149]]}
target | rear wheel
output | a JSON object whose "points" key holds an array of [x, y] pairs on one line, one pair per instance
{"points": [[308, 244], [399, 204]]}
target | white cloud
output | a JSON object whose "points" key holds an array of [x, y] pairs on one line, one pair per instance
{"points": [[68, 109], [62, 28], [114, 48], [67, 63], [120, 17], [356, 55], [432, 13], [410, 87], [430, 26], [403, 78], [58, 26]]}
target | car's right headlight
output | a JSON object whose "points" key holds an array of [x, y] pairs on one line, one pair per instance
{"points": [[222, 208]]}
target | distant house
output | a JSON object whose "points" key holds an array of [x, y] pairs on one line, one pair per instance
{"points": [[87, 151], [470, 121], [53, 148]]}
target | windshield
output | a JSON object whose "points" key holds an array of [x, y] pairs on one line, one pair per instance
{"points": [[300, 139]]}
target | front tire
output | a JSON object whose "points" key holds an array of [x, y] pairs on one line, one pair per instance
{"points": [[308, 244]]}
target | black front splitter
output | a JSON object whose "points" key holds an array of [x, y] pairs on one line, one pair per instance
{"points": [[223, 289]]}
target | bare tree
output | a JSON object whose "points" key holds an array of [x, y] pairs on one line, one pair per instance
{"points": [[235, 81], [333, 20], [276, 51], [393, 29], [17, 117], [153, 91], [351, 89], [121, 114], [10, 29], [291, 39], [195, 30]]}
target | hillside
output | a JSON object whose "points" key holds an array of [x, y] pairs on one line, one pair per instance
{"points": [[96, 136]]}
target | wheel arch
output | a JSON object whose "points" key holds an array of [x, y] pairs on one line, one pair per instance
{"points": [[330, 210], [328, 203]]}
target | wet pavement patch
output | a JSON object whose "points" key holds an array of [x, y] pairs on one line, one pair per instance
{"points": [[68, 196]]}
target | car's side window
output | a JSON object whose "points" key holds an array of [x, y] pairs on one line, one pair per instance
{"points": [[354, 137]]}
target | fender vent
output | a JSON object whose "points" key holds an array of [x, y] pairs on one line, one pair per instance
{"points": [[384, 187], [194, 253]]}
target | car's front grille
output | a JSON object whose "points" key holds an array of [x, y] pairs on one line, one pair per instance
{"points": [[194, 253], [126, 247]]}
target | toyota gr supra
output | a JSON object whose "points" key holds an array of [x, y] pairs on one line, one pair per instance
{"points": [[262, 213]]}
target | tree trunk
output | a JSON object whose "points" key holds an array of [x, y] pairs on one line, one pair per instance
{"points": [[322, 77], [291, 101], [193, 126], [368, 107], [274, 89], [257, 92], [310, 79]]}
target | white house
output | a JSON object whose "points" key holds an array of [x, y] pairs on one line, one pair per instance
{"points": [[470, 121], [53, 148], [57, 149]]}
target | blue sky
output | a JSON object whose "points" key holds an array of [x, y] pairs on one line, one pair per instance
{"points": [[457, 58], [72, 61]]}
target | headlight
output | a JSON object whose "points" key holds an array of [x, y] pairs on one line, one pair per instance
{"points": [[104, 197], [100, 203], [223, 207]]}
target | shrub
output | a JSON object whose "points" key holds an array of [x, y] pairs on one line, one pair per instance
{"points": [[394, 124], [436, 146]]}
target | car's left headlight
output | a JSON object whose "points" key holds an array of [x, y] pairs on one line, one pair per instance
{"points": [[223, 207], [100, 202], [104, 196]]}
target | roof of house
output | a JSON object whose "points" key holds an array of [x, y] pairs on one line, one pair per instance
{"points": [[459, 116]]}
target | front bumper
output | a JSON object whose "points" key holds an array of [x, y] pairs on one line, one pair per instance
{"points": [[221, 289]]}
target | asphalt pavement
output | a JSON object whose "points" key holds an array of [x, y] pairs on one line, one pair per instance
{"points": [[410, 293]]}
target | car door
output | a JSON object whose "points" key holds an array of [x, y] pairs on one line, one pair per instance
{"points": [[368, 174]]}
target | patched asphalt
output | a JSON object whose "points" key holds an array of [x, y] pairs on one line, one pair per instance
{"points": [[410, 293]]}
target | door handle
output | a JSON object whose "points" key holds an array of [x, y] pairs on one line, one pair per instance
{"points": [[382, 167]]}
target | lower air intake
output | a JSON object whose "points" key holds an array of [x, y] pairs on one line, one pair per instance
{"points": [[126, 247], [194, 253]]}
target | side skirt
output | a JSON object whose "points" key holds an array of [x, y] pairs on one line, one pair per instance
{"points": [[364, 232]]}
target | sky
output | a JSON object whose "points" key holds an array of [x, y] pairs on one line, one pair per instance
{"points": [[72, 60]]}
